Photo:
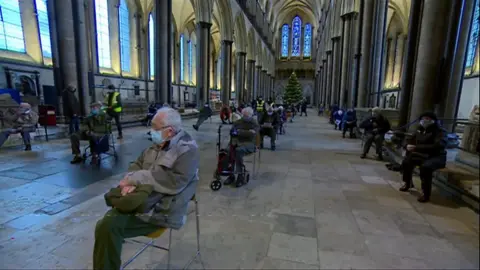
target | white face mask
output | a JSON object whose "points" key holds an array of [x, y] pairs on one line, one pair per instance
{"points": [[426, 123], [157, 137]]}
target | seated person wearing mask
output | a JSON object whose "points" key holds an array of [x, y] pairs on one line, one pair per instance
{"points": [[338, 116], [92, 128], [268, 122], [21, 120], [243, 134], [426, 149], [170, 166], [349, 122], [375, 127], [203, 115]]}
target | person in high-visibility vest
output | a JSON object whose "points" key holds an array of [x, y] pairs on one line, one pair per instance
{"points": [[114, 107], [260, 107]]}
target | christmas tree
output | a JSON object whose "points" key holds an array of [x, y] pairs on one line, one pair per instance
{"points": [[293, 91]]}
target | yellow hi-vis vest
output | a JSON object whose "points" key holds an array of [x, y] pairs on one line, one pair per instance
{"points": [[112, 102], [260, 106]]}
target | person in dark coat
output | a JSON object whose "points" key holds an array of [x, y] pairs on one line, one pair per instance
{"points": [[426, 149], [338, 117], [303, 108], [268, 122], [204, 114], [349, 122], [71, 108], [375, 127]]}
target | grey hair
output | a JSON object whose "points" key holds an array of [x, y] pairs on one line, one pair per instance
{"points": [[248, 112], [172, 118]]}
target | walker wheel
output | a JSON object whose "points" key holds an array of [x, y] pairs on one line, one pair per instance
{"points": [[231, 177], [216, 185]]}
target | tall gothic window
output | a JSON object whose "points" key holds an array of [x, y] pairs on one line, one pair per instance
{"points": [[296, 34], [473, 43], [124, 23], [190, 61], [285, 41], [151, 52], [44, 28], [103, 34], [11, 30], [182, 60], [307, 41]]}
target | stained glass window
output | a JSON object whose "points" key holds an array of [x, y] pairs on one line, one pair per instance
{"points": [[103, 34], [472, 45], [182, 60], [151, 51], [285, 41], [124, 22], [43, 27], [307, 40], [296, 34], [11, 30], [190, 61]]}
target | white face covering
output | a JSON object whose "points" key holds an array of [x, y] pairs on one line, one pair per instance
{"points": [[426, 123]]}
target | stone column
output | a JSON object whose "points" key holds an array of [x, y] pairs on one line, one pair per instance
{"points": [[325, 99], [336, 64], [163, 51], [269, 85], [203, 63], [378, 51], [250, 80], [272, 88], [264, 84], [429, 56], [367, 27], [226, 70], [346, 60], [240, 76], [320, 89], [258, 71], [330, 94], [449, 105], [391, 62], [397, 68], [57, 73], [81, 49]]}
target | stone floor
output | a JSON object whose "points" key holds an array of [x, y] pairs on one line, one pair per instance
{"points": [[314, 204]]}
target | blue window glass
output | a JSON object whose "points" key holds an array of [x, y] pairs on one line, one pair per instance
{"points": [[190, 61], [307, 40], [151, 51], [472, 45], [182, 61], [124, 22], [11, 30], [103, 34], [285, 42], [296, 34], [44, 28]]}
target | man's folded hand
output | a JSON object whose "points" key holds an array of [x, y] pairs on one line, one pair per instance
{"points": [[128, 189]]}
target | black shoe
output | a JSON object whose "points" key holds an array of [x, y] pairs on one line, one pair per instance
{"points": [[273, 148], [120, 137], [28, 147], [380, 158], [229, 180], [406, 187], [363, 156], [343, 135], [423, 198], [240, 181], [76, 160], [195, 127]]}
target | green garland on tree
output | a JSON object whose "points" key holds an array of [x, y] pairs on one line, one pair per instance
{"points": [[293, 91]]}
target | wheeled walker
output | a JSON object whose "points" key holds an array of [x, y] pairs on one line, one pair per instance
{"points": [[226, 164]]}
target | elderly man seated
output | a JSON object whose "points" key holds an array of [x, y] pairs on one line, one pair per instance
{"points": [[169, 167], [243, 133], [93, 127], [21, 120]]}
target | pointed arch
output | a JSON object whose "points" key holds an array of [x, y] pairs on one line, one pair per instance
{"points": [[240, 33], [296, 34]]}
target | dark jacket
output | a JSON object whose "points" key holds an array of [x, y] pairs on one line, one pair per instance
{"points": [[205, 112], [96, 123], [349, 116], [304, 107], [378, 122], [242, 129], [135, 202], [70, 104], [273, 119], [429, 141]]}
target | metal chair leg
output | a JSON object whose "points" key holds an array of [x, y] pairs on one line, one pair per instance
{"points": [[169, 250], [197, 254]]}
